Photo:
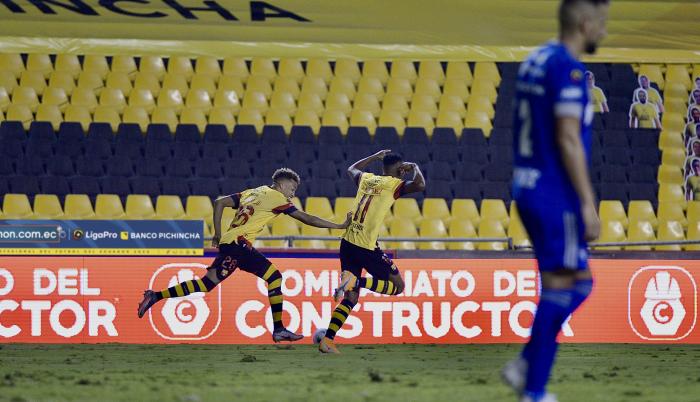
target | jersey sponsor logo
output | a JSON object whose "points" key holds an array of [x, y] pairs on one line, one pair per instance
{"points": [[662, 303], [571, 93], [526, 177]]}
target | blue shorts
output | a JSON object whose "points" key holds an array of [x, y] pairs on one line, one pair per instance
{"points": [[556, 229]]}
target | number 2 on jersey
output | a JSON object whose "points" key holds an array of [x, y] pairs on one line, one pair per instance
{"points": [[525, 138], [362, 208]]}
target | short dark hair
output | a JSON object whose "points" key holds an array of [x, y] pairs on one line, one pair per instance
{"points": [[392, 158], [567, 12], [285, 173]]}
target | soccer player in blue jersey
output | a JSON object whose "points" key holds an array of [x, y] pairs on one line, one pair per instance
{"points": [[551, 183]]}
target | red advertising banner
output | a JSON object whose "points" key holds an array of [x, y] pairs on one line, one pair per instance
{"points": [[94, 300]]}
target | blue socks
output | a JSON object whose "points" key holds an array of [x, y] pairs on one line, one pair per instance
{"points": [[554, 308]]}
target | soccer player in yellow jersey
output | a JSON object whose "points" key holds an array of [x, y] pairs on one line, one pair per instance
{"points": [[359, 248], [644, 114], [255, 208], [598, 99], [653, 95]]}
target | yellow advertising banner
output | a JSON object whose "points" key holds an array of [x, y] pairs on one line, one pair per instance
{"points": [[500, 30]]}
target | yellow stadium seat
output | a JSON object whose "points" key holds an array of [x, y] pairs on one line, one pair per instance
{"points": [[142, 98], [291, 68], [457, 88], [670, 139], [642, 210], [392, 118], [199, 207], [335, 118], [487, 70], [399, 86], [484, 88], [517, 232], [342, 85], [461, 228], [258, 83], [673, 122], [675, 90], [404, 69], [489, 228], [673, 157], [169, 207], [194, 116], [152, 65], [231, 83], [253, 100], [33, 79], [420, 119], [139, 206], [4, 99], [224, 116], [258, 243], [492, 209], [676, 105], [307, 117], [279, 117], [78, 206], [436, 208], [347, 68], [396, 103], [479, 120], [670, 231], [283, 225], [147, 81], [481, 104], [124, 64], [453, 103], [693, 211], [119, 81], [611, 232], [90, 81], [204, 83], [25, 96], [363, 118], [311, 102], [107, 114], [670, 175], [206, 65], [342, 206], [286, 85], [68, 63], [427, 87], [670, 211], [402, 227], [180, 66], [340, 102], [696, 71], [375, 69], [312, 244], [612, 210], [12, 63], [640, 231], [431, 69], [109, 206], [55, 97], [371, 85], [165, 115], [50, 113], [236, 66], [465, 209], [40, 63], [8, 81], [320, 206], [366, 102], [198, 99], [138, 115], [693, 234], [113, 98], [459, 70], [283, 101], [263, 67], [672, 193], [176, 82], [47, 206], [84, 97], [80, 114], [251, 116], [319, 68], [424, 103], [653, 72], [96, 64], [16, 206], [432, 228], [407, 208], [227, 99], [20, 113], [677, 73], [170, 99], [447, 118]]}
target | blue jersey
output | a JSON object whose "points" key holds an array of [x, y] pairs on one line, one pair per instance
{"points": [[550, 84]]}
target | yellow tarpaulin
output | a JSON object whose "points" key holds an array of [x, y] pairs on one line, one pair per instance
{"points": [[500, 30]]}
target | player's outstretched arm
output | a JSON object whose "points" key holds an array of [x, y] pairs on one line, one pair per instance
{"points": [[230, 201], [417, 183], [357, 168], [313, 220]]}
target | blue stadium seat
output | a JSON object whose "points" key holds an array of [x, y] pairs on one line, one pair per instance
{"points": [[149, 167], [60, 165], [386, 137], [115, 185], [41, 131], [273, 135], [473, 137], [204, 186], [324, 169], [158, 150], [275, 152], [174, 186], [186, 151], [644, 191], [469, 172], [120, 167], [240, 170], [642, 174], [100, 131], [356, 152], [616, 120], [359, 135], [24, 184], [7, 167], [207, 168], [302, 135], [613, 191], [245, 133], [418, 136], [595, 173], [617, 156], [614, 138], [330, 135], [55, 185], [596, 157], [501, 153], [129, 133], [649, 155], [439, 189], [40, 148], [439, 171], [643, 138], [187, 133], [498, 172], [418, 153], [303, 152], [216, 151], [11, 148], [139, 185], [496, 190], [178, 168], [71, 149], [84, 185], [331, 152], [158, 133], [443, 136], [346, 188], [12, 130], [89, 166], [30, 166], [4, 187], [216, 133], [445, 153], [614, 174], [128, 150], [504, 116], [501, 136], [322, 188], [232, 186], [70, 132]]}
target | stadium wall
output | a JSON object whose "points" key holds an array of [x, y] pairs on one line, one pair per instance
{"points": [[446, 300]]}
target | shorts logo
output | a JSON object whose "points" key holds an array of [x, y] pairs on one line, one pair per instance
{"points": [[662, 303], [193, 317]]}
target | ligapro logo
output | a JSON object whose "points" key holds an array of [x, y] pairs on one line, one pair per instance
{"points": [[662, 303], [193, 317]]}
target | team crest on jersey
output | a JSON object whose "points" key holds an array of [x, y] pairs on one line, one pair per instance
{"points": [[372, 186], [576, 75]]}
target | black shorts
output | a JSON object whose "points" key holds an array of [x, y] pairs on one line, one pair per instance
{"points": [[354, 258], [239, 255]]}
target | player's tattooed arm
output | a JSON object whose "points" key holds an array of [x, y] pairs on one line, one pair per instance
{"points": [[356, 169], [230, 201], [417, 183], [312, 220]]}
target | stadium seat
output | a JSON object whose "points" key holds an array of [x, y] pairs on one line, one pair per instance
{"points": [[206, 65], [320, 206], [396, 103], [78, 114], [139, 206], [109, 206], [12, 63], [204, 83], [431, 69], [671, 211], [670, 231], [16, 206], [407, 208], [120, 81], [459, 70], [451, 119], [365, 102], [106, 114], [642, 211], [399, 86], [428, 87], [653, 72], [34, 80], [487, 71], [465, 209], [113, 98], [198, 99], [672, 193], [149, 82], [309, 118], [8, 81], [516, 230], [461, 228], [96, 64], [363, 118], [283, 101], [196, 117], [402, 227], [78, 206], [283, 226], [432, 228], [424, 103], [335, 118], [371, 85], [291, 68], [199, 207], [237, 67], [673, 157], [670, 175], [492, 209], [611, 231], [47, 206], [610, 210], [392, 118], [316, 86], [403, 69], [347, 68], [84, 97], [263, 67], [277, 117], [227, 99], [319, 68], [68, 63], [422, 119], [677, 73], [307, 230], [152, 65], [670, 139], [252, 117], [693, 211], [137, 115], [175, 82], [124, 64], [40, 63], [640, 231], [182, 66], [25, 96], [693, 234], [51, 114], [490, 228], [21, 113], [169, 207]]}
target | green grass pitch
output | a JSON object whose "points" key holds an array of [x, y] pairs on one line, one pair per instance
{"points": [[193, 373]]}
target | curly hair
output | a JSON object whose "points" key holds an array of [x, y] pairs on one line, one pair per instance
{"points": [[285, 173]]}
